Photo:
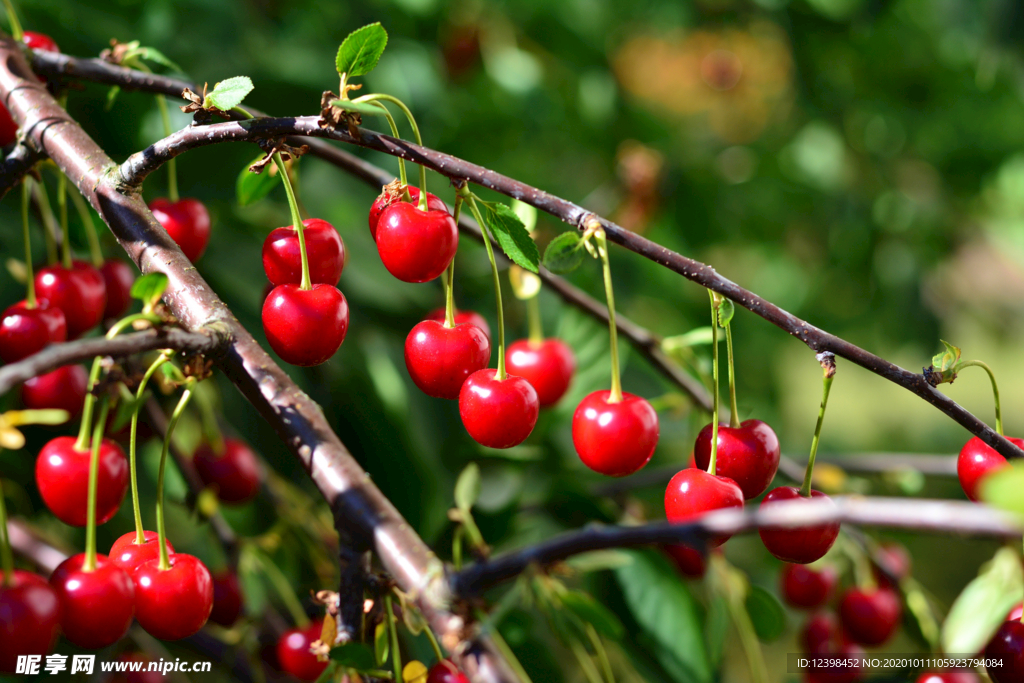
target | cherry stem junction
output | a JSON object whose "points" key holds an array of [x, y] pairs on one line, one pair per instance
{"points": [[827, 361], [6, 556], [615, 395], [734, 413], [396, 655], [471, 198], [94, 472], [85, 215], [714, 380], [161, 527], [30, 284], [293, 205], [12, 17], [140, 536], [995, 388]]}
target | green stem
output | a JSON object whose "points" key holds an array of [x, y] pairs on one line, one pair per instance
{"points": [[6, 556], [995, 387], [615, 395], [433, 642], [172, 171], [449, 295], [94, 472], [416, 131], [12, 16], [749, 642], [140, 536], [62, 211], [90, 228], [714, 380], [161, 527], [501, 375], [584, 660], [396, 655], [734, 414], [284, 590], [30, 295], [533, 316], [293, 205], [601, 653], [208, 416], [503, 649], [394, 131], [805, 490], [49, 222]]}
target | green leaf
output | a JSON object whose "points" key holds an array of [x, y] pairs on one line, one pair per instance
{"points": [[252, 187], [766, 614], [698, 336], [229, 93], [563, 254], [381, 644], [467, 488], [726, 310], [112, 97], [983, 605], [1002, 489], [593, 613], [943, 368], [364, 108], [599, 560], [667, 613], [511, 234], [149, 288], [360, 51], [716, 628], [153, 55], [356, 656]]}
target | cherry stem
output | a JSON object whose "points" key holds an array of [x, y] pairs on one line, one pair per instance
{"points": [[94, 474], [449, 278], [161, 527], [734, 413], [284, 590], [207, 413], [995, 387], [12, 17], [6, 556], [90, 228], [615, 395], [30, 284], [62, 208], [433, 642], [805, 489], [416, 132], [140, 535], [501, 375], [172, 171], [396, 655], [49, 222], [534, 321], [714, 380], [394, 131], [293, 205]]}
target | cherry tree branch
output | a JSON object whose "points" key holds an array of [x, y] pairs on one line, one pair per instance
{"points": [[15, 165]]}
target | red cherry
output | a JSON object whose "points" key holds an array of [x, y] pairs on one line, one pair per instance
{"points": [[39, 41], [547, 365], [615, 439], [1016, 613], [414, 245], [29, 618], [24, 330], [948, 677], [79, 292], [235, 473], [305, 327], [385, 199], [445, 671], [897, 559], [174, 603], [440, 359], [1007, 645], [688, 561], [693, 492], [870, 617], [820, 634], [127, 554], [471, 317], [62, 476], [227, 598], [976, 461], [749, 455], [806, 588], [498, 413], [282, 260], [98, 605], [8, 128], [801, 545], [836, 673], [63, 388], [186, 221], [293, 655], [119, 278]]}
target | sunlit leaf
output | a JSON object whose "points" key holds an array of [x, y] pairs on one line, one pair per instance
{"points": [[361, 50], [512, 236], [252, 187], [149, 288], [229, 93], [983, 605]]}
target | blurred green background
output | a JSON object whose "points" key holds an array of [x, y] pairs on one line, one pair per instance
{"points": [[860, 163]]}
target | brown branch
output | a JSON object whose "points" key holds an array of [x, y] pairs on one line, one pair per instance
{"points": [[15, 166]]}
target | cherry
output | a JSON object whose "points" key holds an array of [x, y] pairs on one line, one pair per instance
{"points": [[293, 655], [692, 492], [806, 588], [186, 221], [976, 461], [63, 388], [897, 559], [386, 199], [305, 327], [227, 598], [748, 454], [801, 545], [62, 476], [688, 561], [325, 252], [39, 41], [79, 292], [948, 677], [29, 618], [471, 317], [127, 554], [174, 603], [98, 605], [836, 673], [235, 473], [8, 127], [548, 365], [445, 671], [1007, 645], [615, 439], [414, 245], [498, 413], [870, 616], [119, 278], [439, 359], [24, 330], [1016, 613], [820, 633]]}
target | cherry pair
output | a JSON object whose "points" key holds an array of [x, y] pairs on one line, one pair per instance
{"points": [[414, 245], [748, 454], [234, 473], [30, 622], [35, 41]]}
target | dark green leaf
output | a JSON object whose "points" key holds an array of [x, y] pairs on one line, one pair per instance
{"points": [[726, 310], [360, 51], [153, 55], [563, 254], [364, 108], [229, 93], [252, 187], [766, 614], [149, 288], [716, 627], [593, 613], [358, 656], [511, 234], [984, 604], [467, 488]]}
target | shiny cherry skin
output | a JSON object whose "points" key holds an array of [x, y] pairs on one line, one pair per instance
{"points": [[63, 388], [325, 252], [471, 317], [386, 199], [227, 598], [24, 330], [235, 474], [119, 278], [187, 222], [127, 554], [29, 618], [79, 292], [897, 560], [948, 677], [1007, 645], [688, 561], [174, 603], [498, 413], [693, 492], [976, 461], [39, 41], [806, 588], [8, 127], [305, 327], [62, 476], [293, 655], [414, 245], [445, 671], [439, 359], [800, 545], [98, 605], [749, 455], [548, 365], [870, 617], [614, 439]]}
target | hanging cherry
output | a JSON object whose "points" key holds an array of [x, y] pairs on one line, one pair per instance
{"points": [[462, 316], [62, 475], [26, 329], [127, 553], [29, 617], [78, 291], [440, 359], [807, 588], [391, 194], [688, 561], [325, 251], [118, 278], [870, 616], [1006, 647], [293, 655], [416, 245], [693, 492], [445, 671], [186, 221], [548, 365], [227, 599], [234, 473], [63, 389]]}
